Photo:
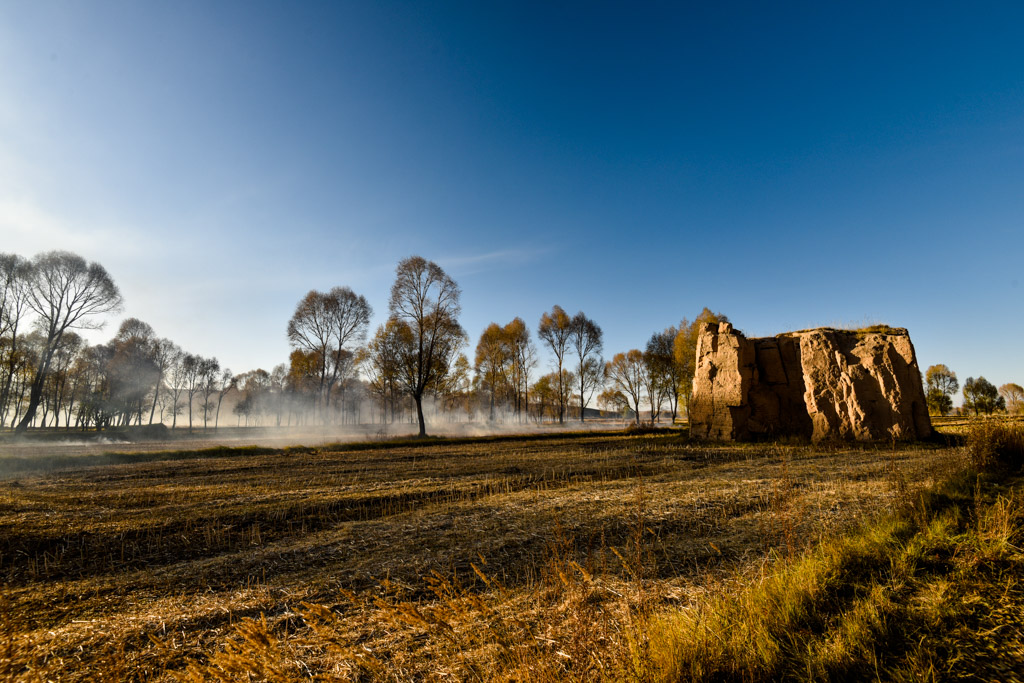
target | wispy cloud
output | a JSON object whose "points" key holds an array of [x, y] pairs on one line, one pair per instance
{"points": [[469, 264]]}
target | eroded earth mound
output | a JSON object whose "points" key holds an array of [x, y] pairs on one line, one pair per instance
{"points": [[859, 385]]}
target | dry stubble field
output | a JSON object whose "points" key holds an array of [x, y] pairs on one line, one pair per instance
{"points": [[465, 559]]}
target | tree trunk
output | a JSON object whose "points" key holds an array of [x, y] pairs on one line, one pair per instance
{"points": [[419, 415], [35, 395], [156, 395], [581, 392]]}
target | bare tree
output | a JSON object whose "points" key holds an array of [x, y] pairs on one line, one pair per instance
{"points": [[524, 359], [587, 341], [614, 400], [192, 369], [426, 299], [625, 372], [455, 389], [349, 315], [311, 329], [209, 373], [324, 324], [666, 373], [493, 363], [227, 383], [381, 362], [164, 351], [177, 380], [556, 329], [1013, 395], [55, 392], [343, 366], [652, 381], [15, 279], [65, 292]]}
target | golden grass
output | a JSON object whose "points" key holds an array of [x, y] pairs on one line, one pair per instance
{"points": [[933, 590], [515, 559]]}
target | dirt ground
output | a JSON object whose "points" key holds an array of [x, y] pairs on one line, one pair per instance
{"points": [[132, 571]]}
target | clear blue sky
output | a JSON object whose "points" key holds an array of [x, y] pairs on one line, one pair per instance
{"points": [[814, 166]]}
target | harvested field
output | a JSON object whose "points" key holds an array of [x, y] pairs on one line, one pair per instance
{"points": [[448, 560]]}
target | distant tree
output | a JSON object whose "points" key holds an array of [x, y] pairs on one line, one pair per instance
{"points": [[426, 300], [454, 390], [940, 386], [592, 381], [77, 381], [209, 375], [625, 372], [942, 378], [225, 386], [15, 281], [587, 340], [981, 396], [685, 350], [192, 369], [493, 363], [545, 393], [381, 363], [652, 379], [343, 367], [523, 353], [311, 329], [665, 373], [254, 386], [15, 277], [555, 330], [614, 401], [243, 408], [349, 316], [325, 324], [280, 390], [96, 407], [56, 388], [134, 370], [164, 352], [504, 358], [21, 368], [176, 381], [304, 380], [938, 402], [66, 293], [1013, 395]]}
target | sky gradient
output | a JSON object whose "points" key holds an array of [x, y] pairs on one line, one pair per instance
{"points": [[818, 166]]}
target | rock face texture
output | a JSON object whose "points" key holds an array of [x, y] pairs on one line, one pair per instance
{"points": [[859, 385]]}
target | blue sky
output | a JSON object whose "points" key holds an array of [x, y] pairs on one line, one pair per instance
{"points": [[821, 165]]}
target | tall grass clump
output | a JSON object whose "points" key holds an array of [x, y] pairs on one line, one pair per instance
{"points": [[994, 446], [927, 591], [758, 632]]}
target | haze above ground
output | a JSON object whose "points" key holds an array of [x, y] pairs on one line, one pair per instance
{"points": [[791, 169]]}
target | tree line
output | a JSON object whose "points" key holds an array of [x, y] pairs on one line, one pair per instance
{"points": [[414, 367], [979, 395]]}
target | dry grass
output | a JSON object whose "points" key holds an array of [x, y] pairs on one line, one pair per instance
{"points": [[516, 559], [933, 590]]}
